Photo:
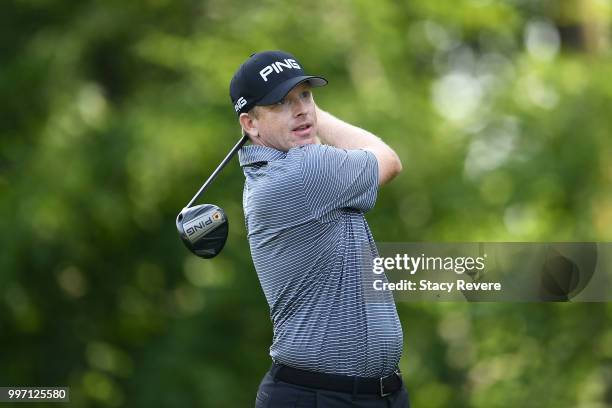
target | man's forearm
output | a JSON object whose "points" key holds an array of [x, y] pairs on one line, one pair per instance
{"points": [[337, 133]]}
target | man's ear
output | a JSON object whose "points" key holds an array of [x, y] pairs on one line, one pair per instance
{"points": [[249, 125]]}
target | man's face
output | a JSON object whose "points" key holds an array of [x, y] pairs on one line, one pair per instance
{"points": [[289, 123]]}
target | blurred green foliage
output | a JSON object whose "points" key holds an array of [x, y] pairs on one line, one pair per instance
{"points": [[114, 112]]}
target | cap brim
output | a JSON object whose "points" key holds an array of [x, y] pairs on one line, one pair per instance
{"points": [[283, 89]]}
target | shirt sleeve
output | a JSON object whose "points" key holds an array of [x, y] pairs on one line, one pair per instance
{"points": [[336, 178]]}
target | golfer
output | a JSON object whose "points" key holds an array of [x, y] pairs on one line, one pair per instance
{"points": [[310, 178]]}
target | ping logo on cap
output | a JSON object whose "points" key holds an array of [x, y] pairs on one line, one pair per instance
{"points": [[265, 78], [277, 67], [240, 103]]}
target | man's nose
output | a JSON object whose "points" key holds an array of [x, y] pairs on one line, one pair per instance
{"points": [[299, 107]]}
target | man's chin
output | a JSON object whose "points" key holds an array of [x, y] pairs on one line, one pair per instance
{"points": [[306, 141]]}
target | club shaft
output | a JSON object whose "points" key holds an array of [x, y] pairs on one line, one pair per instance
{"points": [[220, 167]]}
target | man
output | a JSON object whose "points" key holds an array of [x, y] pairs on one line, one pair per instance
{"points": [[304, 203]]}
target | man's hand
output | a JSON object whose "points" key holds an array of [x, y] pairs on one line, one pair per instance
{"points": [[337, 133]]}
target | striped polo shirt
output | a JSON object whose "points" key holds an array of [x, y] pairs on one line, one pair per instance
{"points": [[310, 244]]}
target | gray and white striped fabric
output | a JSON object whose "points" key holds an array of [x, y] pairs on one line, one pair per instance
{"points": [[310, 242]]}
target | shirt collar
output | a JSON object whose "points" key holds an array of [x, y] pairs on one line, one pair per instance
{"points": [[253, 154]]}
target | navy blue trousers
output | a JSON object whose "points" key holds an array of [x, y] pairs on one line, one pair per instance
{"points": [[274, 393]]}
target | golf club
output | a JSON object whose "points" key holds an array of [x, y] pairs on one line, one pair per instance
{"points": [[203, 228]]}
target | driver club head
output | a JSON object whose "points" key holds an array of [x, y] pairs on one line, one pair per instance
{"points": [[203, 229]]}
